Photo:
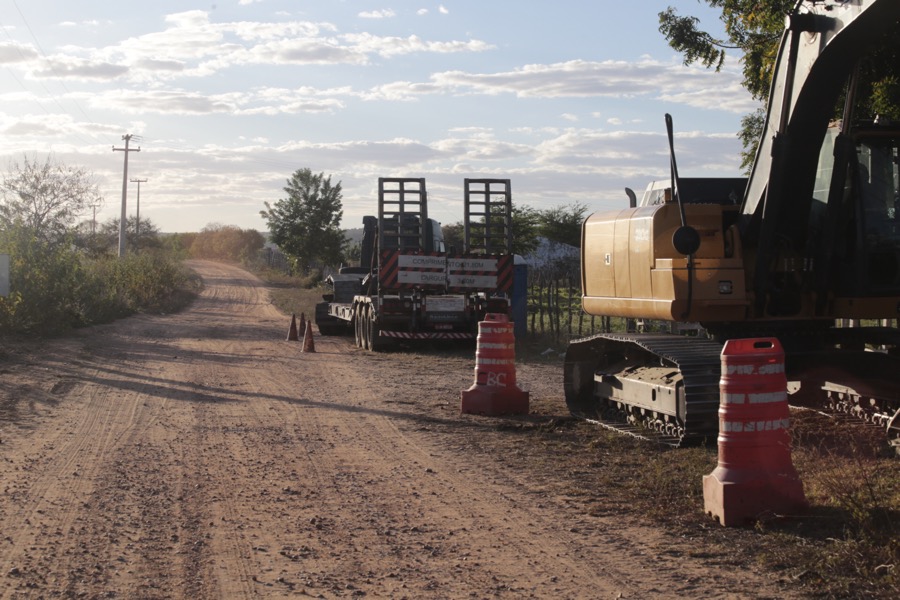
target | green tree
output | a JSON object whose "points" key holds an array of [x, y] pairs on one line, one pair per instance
{"points": [[755, 27], [454, 236], [226, 242], [525, 223], [305, 225], [525, 228], [563, 223], [45, 197], [145, 237]]}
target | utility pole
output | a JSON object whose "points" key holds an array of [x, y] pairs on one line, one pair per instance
{"points": [[127, 137], [137, 222]]}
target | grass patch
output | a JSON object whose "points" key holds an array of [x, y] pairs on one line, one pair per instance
{"points": [[846, 546], [293, 295]]}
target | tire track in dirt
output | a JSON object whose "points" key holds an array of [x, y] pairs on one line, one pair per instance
{"points": [[379, 470], [51, 488], [216, 460], [452, 518]]}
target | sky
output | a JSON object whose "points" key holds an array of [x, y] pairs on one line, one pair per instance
{"points": [[227, 98]]}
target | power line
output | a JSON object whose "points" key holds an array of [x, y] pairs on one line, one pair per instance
{"points": [[49, 94], [49, 62]]}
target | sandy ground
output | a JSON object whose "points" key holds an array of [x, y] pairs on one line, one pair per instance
{"points": [[200, 455]]}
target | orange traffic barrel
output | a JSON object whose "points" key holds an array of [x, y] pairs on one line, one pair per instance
{"points": [[495, 391], [755, 474]]}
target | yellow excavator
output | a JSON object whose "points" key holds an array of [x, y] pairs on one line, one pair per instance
{"points": [[808, 242]]}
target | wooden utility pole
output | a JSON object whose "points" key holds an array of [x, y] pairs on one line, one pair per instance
{"points": [[127, 137], [137, 221]]}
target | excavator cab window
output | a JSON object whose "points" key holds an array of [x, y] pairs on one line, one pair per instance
{"points": [[879, 199], [878, 181], [867, 248]]}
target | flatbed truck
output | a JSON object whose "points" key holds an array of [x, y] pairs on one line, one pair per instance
{"points": [[408, 285]]}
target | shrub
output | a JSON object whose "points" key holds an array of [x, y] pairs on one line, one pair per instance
{"points": [[43, 280], [54, 287]]}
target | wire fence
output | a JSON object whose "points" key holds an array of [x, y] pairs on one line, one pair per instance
{"points": [[555, 312], [554, 307]]}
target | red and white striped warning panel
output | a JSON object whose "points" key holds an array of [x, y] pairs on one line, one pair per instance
{"points": [[438, 271], [428, 335], [406, 271], [480, 273]]}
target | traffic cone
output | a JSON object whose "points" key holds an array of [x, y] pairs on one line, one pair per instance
{"points": [[292, 332], [302, 326], [308, 344], [495, 391]]}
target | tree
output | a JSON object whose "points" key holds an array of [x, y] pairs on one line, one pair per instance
{"points": [[46, 198], [305, 225], [755, 27], [137, 238], [454, 236], [525, 228], [563, 223], [525, 223], [226, 242]]}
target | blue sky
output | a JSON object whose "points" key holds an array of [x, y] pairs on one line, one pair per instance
{"points": [[566, 99]]}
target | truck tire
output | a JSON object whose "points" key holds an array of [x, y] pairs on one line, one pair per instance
{"points": [[358, 328], [365, 323], [376, 343]]}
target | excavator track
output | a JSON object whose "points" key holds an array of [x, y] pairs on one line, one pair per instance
{"points": [[859, 385], [682, 371]]}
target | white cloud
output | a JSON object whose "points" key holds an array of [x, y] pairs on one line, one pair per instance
{"points": [[85, 23], [693, 86], [265, 101], [65, 67], [422, 12], [400, 91], [443, 10], [377, 14], [192, 45], [13, 52], [171, 102], [392, 46]]}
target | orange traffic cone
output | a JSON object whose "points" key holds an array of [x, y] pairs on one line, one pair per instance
{"points": [[308, 344], [302, 325], [292, 332]]}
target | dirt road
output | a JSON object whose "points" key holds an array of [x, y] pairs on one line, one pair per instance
{"points": [[200, 455]]}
